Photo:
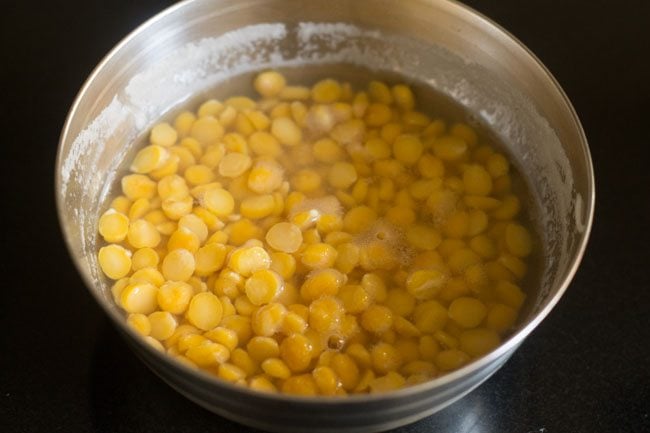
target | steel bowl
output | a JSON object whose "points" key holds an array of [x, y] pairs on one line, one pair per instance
{"points": [[197, 45]]}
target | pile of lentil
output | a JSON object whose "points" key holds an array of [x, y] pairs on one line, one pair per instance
{"points": [[317, 241]]}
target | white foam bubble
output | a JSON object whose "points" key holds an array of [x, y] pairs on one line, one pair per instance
{"points": [[327, 205], [390, 235]]}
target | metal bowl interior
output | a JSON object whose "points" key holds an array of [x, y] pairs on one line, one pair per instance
{"points": [[198, 45]]}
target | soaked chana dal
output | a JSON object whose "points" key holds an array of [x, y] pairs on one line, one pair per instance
{"points": [[317, 241]]}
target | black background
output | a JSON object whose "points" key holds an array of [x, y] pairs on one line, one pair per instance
{"points": [[585, 369]]}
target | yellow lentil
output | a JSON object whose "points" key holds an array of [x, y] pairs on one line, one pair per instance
{"points": [[163, 324], [325, 314], [261, 383], [163, 134], [407, 149], [385, 358], [478, 342], [296, 352], [113, 226], [205, 311], [208, 353], [286, 131], [206, 130], [139, 298], [178, 265], [115, 261], [321, 283], [276, 368], [377, 319], [451, 359], [265, 176], [423, 237], [234, 164], [425, 284], [175, 296], [211, 107], [449, 148], [430, 316], [147, 275], [268, 319], [319, 256], [501, 318], [262, 348], [326, 91], [230, 372], [518, 240], [510, 294], [269, 83], [300, 385], [247, 260], [209, 259], [346, 369], [467, 312], [149, 158], [326, 380], [328, 151], [139, 323], [355, 299], [263, 286]]}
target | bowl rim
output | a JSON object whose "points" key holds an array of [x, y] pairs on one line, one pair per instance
{"points": [[511, 343]]}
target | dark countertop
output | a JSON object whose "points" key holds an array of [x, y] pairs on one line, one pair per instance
{"points": [[585, 369]]}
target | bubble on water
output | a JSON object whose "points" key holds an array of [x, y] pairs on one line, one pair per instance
{"points": [[335, 342], [390, 235], [328, 205]]}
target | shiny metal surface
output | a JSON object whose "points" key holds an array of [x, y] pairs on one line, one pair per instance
{"points": [[437, 42]]}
